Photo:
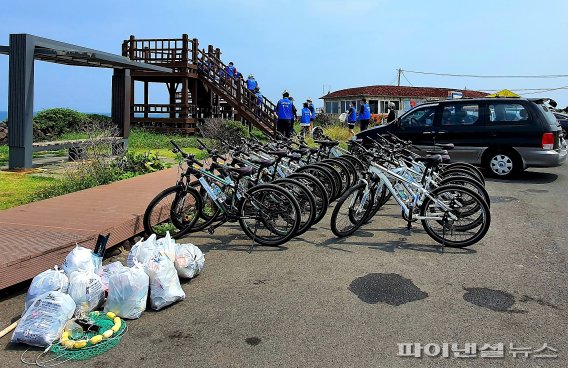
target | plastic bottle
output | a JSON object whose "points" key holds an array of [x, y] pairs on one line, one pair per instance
{"points": [[219, 193], [401, 191]]}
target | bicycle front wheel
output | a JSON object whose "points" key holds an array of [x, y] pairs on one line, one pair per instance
{"points": [[173, 210], [351, 210], [269, 215]]}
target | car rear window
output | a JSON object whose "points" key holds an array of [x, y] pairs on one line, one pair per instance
{"points": [[549, 117], [505, 113]]}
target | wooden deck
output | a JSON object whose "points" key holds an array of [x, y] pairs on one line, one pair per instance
{"points": [[37, 236]]}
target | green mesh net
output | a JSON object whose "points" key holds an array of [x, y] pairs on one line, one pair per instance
{"points": [[104, 323]]}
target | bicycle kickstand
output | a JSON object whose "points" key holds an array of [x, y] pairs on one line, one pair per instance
{"points": [[254, 236]]}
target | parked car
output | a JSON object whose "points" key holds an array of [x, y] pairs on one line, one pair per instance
{"points": [[503, 135], [563, 121]]}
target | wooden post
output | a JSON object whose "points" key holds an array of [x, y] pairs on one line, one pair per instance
{"points": [[184, 48], [131, 47], [195, 50], [146, 98], [121, 97]]}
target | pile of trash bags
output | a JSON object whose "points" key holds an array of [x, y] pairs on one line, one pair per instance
{"points": [[153, 271]]}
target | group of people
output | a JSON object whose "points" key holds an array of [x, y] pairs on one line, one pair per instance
{"points": [[364, 115], [286, 114]]}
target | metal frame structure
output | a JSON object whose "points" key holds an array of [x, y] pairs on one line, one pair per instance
{"points": [[24, 49]]}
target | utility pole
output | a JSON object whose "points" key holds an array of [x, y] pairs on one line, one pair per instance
{"points": [[399, 72]]}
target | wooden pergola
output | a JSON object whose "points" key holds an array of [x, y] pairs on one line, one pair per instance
{"points": [[23, 50]]}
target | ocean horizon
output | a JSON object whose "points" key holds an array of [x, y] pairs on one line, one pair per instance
{"points": [[4, 114]]}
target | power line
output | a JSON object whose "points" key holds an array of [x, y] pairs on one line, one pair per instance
{"points": [[488, 76], [404, 75], [545, 90]]}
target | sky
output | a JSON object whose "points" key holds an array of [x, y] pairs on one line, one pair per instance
{"points": [[307, 47]]}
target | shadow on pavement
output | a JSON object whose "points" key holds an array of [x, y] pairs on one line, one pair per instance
{"points": [[528, 177]]}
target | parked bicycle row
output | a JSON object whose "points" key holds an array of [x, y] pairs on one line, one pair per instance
{"points": [[277, 190]]}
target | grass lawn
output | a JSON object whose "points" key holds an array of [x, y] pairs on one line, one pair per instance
{"points": [[18, 187]]}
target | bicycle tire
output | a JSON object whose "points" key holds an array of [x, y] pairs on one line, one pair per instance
{"points": [[485, 215], [164, 212], [355, 220], [268, 206], [318, 190], [306, 201]]}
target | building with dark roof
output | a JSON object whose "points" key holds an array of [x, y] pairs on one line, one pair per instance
{"points": [[379, 97]]}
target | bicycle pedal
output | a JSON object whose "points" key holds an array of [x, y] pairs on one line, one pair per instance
{"points": [[211, 230]]}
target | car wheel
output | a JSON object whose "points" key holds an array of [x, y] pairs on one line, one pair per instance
{"points": [[503, 164]]}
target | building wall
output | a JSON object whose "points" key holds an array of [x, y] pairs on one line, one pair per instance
{"points": [[340, 105]]}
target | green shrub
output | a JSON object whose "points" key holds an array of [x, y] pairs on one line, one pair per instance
{"points": [[138, 164], [325, 120], [227, 130], [54, 122]]}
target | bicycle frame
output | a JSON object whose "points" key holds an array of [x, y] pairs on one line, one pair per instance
{"points": [[380, 171]]}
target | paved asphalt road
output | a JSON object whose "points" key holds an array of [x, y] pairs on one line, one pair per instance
{"points": [[324, 302]]}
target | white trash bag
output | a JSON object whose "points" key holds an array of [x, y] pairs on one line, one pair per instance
{"points": [[128, 292], [143, 251], [86, 289], [167, 246], [50, 280], [165, 288], [44, 320], [108, 270], [81, 259], [189, 260]]}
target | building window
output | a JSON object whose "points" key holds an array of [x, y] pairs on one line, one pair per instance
{"points": [[343, 103], [374, 106], [335, 107], [328, 107]]}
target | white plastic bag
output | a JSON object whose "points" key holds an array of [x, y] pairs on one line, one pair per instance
{"points": [[86, 289], [167, 246], [143, 251], [81, 259], [189, 260], [108, 270], [50, 280], [128, 292], [44, 320], [165, 288]]}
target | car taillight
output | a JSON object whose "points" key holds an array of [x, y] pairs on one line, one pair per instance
{"points": [[548, 141]]}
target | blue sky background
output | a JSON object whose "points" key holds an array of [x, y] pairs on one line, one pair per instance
{"points": [[306, 46]]}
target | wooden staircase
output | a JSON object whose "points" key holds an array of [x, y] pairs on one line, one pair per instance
{"points": [[198, 88]]}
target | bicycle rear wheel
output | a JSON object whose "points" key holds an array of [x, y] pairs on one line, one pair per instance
{"points": [[317, 189], [269, 215], [468, 228], [306, 201]]}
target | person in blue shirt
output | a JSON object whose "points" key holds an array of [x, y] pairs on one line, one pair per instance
{"points": [[251, 82], [230, 70], [352, 118], [364, 114], [284, 114], [313, 111], [305, 119], [259, 100]]}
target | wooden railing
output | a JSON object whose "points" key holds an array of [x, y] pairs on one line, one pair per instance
{"points": [[235, 91], [164, 51]]}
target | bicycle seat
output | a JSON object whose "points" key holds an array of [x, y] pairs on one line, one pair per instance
{"points": [[327, 143], [301, 151], [263, 163], [294, 157], [446, 159], [241, 171], [437, 152], [430, 161], [446, 146], [280, 153]]}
